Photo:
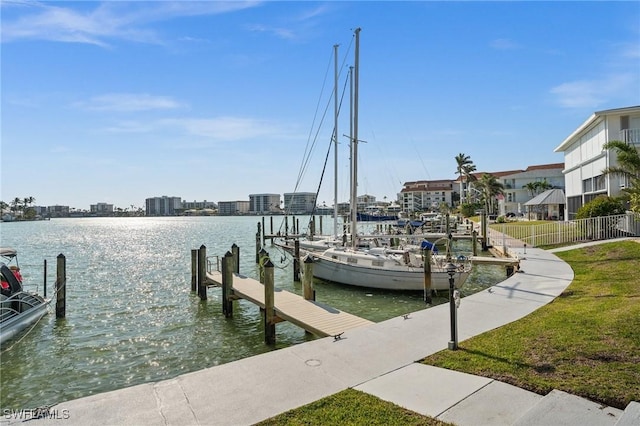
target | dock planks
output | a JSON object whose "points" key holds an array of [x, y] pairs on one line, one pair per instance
{"points": [[314, 317]]}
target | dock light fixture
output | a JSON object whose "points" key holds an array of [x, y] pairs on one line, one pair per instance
{"points": [[451, 270]]}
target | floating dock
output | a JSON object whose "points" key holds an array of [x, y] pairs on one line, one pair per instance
{"points": [[315, 317]]}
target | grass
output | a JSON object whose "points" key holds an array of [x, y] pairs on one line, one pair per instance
{"points": [[351, 407], [586, 342]]}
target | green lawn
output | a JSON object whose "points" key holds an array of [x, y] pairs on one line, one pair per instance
{"points": [[352, 407], [586, 342]]}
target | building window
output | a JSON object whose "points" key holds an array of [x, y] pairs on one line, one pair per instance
{"points": [[599, 183], [587, 185]]}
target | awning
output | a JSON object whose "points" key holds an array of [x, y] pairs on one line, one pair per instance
{"points": [[552, 196]]}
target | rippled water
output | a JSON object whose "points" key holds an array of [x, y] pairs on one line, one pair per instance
{"points": [[131, 316]]}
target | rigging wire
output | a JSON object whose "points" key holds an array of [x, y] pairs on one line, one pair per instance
{"points": [[311, 141]]}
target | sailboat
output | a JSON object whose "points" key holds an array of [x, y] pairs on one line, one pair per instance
{"points": [[381, 267]]}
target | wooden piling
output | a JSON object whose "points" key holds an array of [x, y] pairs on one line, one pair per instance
{"points": [[271, 226], [258, 245], [235, 250], [202, 272], [44, 279], [321, 233], [474, 242], [61, 286], [227, 285], [264, 229], [264, 257], [269, 305], [307, 279], [194, 269], [296, 261], [426, 260]]}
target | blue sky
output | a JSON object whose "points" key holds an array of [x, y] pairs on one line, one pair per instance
{"points": [[120, 101]]}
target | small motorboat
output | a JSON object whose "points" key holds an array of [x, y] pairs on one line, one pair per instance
{"points": [[19, 309]]}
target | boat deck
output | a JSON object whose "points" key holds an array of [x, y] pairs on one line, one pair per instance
{"points": [[314, 317]]}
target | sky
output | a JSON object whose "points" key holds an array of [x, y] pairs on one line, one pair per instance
{"points": [[120, 101]]}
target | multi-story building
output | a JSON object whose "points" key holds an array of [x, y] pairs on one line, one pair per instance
{"points": [[425, 195], [585, 160], [231, 208], [299, 202], [264, 203], [198, 205], [101, 208], [58, 211], [516, 185], [163, 206]]}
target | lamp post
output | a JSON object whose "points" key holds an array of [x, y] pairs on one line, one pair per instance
{"points": [[453, 342]]}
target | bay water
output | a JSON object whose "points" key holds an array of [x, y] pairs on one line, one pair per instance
{"points": [[131, 317]]}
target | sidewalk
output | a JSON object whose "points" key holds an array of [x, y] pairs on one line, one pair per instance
{"points": [[379, 359]]}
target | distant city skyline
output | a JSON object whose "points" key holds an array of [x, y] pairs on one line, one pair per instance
{"points": [[116, 102]]}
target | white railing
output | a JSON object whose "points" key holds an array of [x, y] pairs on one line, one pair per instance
{"points": [[507, 235], [630, 136]]}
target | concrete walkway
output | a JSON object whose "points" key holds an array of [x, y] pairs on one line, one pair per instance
{"points": [[379, 359]]}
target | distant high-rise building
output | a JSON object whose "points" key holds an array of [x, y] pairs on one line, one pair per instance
{"points": [[101, 208], [230, 208], [264, 203], [162, 206], [299, 202]]}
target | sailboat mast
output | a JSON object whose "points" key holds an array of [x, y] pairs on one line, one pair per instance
{"points": [[354, 142], [335, 142]]}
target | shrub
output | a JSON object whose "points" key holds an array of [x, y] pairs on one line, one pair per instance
{"points": [[601, 206]]}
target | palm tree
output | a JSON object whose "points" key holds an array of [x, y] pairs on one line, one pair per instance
{"points": [[490, 187], [16, 205], [629, 168], [464, 169]]}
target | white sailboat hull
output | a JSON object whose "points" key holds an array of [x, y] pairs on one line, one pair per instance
{"points": [[357, 269]]}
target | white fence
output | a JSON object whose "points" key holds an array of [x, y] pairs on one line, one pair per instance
{"points": [[507, 235]]}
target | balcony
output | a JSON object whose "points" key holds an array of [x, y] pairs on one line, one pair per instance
{"points": [[630, 136]]}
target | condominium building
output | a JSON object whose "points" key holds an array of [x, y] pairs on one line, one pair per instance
{"points": [[264, 203], [231, 208], [163, 206], [299, 202], [424, 195], [101, 208], [585, 159]]}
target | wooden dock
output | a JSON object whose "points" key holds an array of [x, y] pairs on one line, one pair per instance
{"points": [[315, 317]]}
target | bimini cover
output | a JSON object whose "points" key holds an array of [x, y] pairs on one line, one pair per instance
{"points": [[428, 245]]}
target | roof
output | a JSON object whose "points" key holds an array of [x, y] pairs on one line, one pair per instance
{"points": [[546, 166], [596, 116], [552, 196]]}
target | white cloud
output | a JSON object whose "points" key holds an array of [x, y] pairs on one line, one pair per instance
{"points": [[228, 128], [128, 102], [592, 93], [225, 129], [109, 20]]}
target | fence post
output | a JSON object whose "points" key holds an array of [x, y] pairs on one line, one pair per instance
{"points": [[61, 286]]}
